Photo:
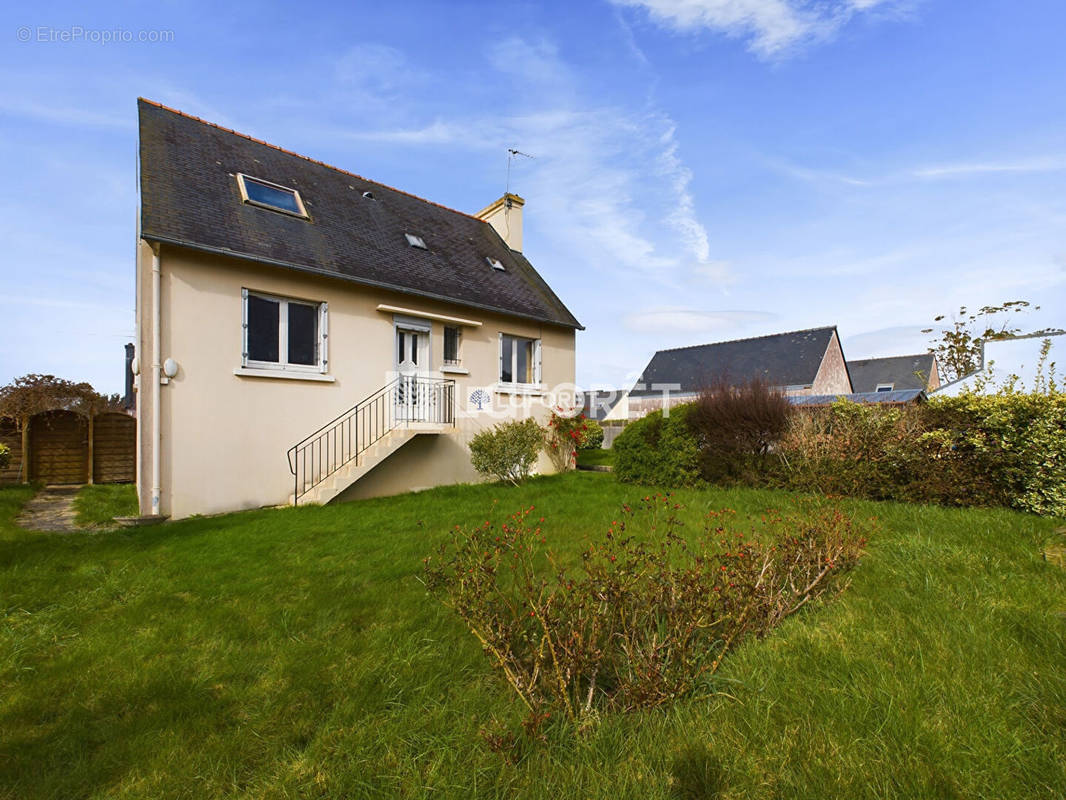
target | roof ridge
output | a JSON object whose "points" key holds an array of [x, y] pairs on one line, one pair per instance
{"points": [[746, 338], [300, 155]]}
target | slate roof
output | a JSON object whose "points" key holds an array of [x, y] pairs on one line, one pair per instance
{"points": [[189, 196], [598, 404], [898, 370], [893, 398], [782, 359]]}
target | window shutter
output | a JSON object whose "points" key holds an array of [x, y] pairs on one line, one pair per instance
{"points": [[499, 372], [536, 361], [323, 333], [244, 327]]}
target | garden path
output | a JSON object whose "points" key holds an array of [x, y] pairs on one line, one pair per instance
{"points": [[51, 509]]}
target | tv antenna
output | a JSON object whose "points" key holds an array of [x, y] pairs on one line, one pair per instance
{"points": [[511, 153]]}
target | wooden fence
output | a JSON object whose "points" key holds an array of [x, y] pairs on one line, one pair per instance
{"points": [[67, 448]]}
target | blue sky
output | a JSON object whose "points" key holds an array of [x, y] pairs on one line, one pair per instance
{"points": [[705, 169]]}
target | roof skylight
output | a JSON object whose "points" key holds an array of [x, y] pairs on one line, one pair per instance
{"points": [[416, 241], [495, 263], [257, 192]]}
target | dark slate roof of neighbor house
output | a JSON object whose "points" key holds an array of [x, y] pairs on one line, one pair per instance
{"points": [[781, 359], [893, 398], [898, 370], [598, 404], [190, 197]]}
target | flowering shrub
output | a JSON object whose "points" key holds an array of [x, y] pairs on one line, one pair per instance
{"points": [[5, 456], [508, 451], [647, 615], [566, 433]]}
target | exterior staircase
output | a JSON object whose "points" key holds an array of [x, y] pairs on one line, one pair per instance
{"points": [[342, 451]]}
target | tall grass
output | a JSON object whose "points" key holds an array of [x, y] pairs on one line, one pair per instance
{"points": [[294, 653]]}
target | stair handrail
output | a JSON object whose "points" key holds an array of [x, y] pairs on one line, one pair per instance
{"points": [[344, 414], [337, 455]]}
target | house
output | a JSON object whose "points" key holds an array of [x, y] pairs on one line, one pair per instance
{"points": [[305, 334], [1020, 362], [602, 405], [807, 362], [895, 373]]}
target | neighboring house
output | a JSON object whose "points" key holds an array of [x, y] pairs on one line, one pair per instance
{"points": [[1018, 362], [895, 373], [306, 334], [807, 362], [601, 404]]}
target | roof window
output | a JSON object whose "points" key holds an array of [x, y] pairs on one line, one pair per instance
{"points": [[495, 263], [368, 195], [416, 241], [258, 192]]}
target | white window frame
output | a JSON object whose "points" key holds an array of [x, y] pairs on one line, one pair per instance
{"points": [[242, 177], [514, 363], [885, 387], [282, 365]]}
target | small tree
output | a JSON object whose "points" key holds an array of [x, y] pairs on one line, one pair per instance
{"points": [[958, 348], [5, 456], [32, 394], [508, 451]]}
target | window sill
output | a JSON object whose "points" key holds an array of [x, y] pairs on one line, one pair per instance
{"points": [[285, 375], [530, 389], [449, 369]]}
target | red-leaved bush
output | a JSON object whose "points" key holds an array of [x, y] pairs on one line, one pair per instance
{"points": [[646, 614]]}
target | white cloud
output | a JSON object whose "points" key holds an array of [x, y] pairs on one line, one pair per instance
{"points": [[607, 186], [953, 170], [769, 26]]}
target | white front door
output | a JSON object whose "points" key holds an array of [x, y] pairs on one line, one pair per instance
{"points": [[412, 361]]}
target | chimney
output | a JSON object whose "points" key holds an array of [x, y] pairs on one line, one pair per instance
{"points": [[505, 215]]}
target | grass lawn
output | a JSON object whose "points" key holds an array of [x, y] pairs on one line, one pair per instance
{"points": [[293, 653], [597, 457], [100, 503]]}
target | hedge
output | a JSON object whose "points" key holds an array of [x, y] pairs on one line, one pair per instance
{"points": [[1007, 450]]}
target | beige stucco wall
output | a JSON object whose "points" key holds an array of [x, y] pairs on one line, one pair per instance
{"points": [[224, 437], [832, 376]]}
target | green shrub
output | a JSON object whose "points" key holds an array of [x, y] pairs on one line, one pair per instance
{"points": [[1007, 449], [1014, 443], [593, 436], [5, 456], [508, 451], [659, 450]]}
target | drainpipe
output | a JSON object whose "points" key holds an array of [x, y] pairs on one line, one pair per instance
{"points": [[156, 379]]}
